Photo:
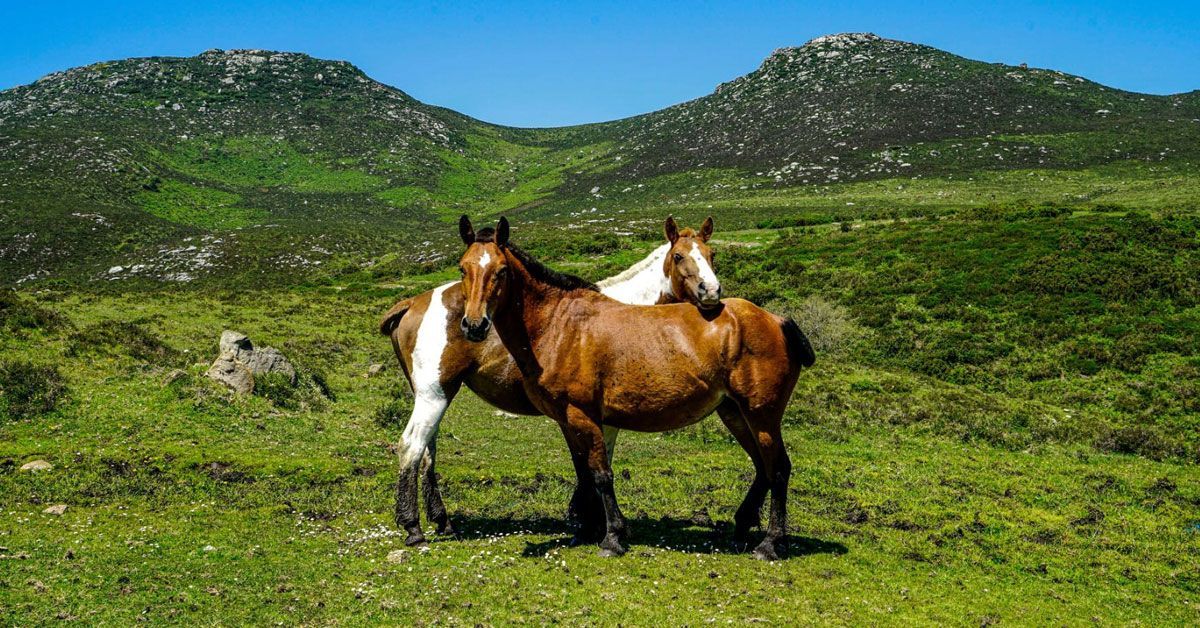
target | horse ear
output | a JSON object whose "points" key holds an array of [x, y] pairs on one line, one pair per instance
{"points": [[706, 229], [466, 231], [502, 232], [671, 230]]}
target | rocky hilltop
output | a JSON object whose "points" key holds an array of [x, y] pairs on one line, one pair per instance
{"points": [[275, 166]]}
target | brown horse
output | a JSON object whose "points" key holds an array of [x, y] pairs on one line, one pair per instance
{"points": [[438, 359], [588, 361]]}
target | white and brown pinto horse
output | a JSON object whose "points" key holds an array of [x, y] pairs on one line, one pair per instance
{"points": [[436, 356], [590, 362]]}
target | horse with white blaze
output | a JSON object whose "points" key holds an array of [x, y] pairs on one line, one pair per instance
{"points": [[438, 357]]}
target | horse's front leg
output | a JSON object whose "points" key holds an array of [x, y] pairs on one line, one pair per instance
{"points": [[435, 508], [422, 427], [585, 508], [586, 438]]}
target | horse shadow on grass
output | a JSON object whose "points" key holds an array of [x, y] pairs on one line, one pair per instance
{"points": [[669, 533]]}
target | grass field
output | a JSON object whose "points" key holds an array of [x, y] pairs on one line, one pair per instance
{"points": [[935, 481]]}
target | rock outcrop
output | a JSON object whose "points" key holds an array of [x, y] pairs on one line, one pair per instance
{"points": [[240, 362]]}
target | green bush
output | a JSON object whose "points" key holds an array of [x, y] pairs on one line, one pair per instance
{"points": [[829, 326], [18, 313], [1142, 440], [28, 390], [308, 390], [279, 389], [394, 413], [130, 338]]}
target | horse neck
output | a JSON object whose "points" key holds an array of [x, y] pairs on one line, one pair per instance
{"points": [[643, 283], [520, 322]]}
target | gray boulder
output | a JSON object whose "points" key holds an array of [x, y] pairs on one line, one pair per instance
{"points": [[240, 362]]}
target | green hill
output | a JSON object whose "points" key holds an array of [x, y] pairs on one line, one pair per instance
{"points": [[268, 168]]}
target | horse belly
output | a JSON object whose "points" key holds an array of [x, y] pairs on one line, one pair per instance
{"points": [[650, 408]]}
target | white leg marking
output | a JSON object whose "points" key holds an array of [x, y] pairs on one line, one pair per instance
{"points": [[610, 442], [430, 400], [422, 427]]}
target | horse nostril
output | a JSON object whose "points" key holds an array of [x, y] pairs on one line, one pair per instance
{"points": [[484, 324], [463, 323], [702, 287]]}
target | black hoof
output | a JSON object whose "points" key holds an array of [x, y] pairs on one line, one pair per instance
{"points": [[766, 551], [444, 527], [611, 547], [415, 536]]}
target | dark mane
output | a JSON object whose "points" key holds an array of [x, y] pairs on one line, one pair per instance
{"points": [[544, 273]]}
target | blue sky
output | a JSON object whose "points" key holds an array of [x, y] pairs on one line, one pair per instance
{"points": [[546, 64]]}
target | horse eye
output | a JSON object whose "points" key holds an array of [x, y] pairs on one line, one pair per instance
{"points": [[678, 257]]}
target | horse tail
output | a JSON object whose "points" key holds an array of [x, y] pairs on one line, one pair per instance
{"points": [[799, 348], [390, 320]]}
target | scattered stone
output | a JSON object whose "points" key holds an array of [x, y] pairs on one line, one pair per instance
{"points": [[374, 369], [397, 556], [57, 509], [37, 465], [240, 362], [208, 548]]}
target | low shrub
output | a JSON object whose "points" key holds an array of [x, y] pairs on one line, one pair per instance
{"points": [[394, 413], [1142, 440], [128, 337], [18, 313], [278, 389], [28, 390], [830, 327], [309, 389]]}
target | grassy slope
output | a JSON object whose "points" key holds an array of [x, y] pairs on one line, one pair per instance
{"points": [[913, 497]]}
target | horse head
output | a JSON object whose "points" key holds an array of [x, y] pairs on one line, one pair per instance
{"points": [[484, 276], [689, 265]]}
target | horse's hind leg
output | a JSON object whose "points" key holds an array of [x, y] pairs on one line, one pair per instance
{"points": [[428, 410], [435, 509], [778, 467], [748, 514]]}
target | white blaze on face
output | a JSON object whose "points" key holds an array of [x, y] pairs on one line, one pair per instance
{"points": [[484, 260], [707, 276]]}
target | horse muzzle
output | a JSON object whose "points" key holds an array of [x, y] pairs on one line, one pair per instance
{"points": [[708, 297], [476, 330]]}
